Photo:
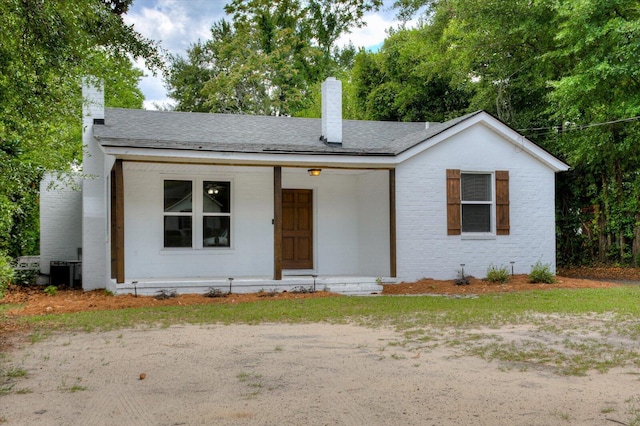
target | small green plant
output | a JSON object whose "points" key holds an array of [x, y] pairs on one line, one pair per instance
{"points": [[165, 294], [302, 290], [51, 290], [108, 292], [541, 273], [76, 387], [462, 279], [25, 277], [633, 409], [267, 293], [6, 389], [16, 372], [497, 275], [215, 292]]}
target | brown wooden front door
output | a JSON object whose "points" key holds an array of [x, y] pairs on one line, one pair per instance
{"points": [[297, 229]]}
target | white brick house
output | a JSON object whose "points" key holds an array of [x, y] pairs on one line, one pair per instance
{"points": [[187, 200]]}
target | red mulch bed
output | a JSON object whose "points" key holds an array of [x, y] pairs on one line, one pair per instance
{"points": [[34, 301], [479, 286]]}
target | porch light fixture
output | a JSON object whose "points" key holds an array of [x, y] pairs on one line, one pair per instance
{"points": [[314, 172]]}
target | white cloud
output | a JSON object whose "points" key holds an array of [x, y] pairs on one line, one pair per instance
{"points": [[175, 23], [372, 34]]}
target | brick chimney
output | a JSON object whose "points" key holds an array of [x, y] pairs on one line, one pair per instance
{"points": [[332, 111], [95, 167]]}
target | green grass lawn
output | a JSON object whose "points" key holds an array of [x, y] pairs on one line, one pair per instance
{"points": [[561, 324], [487, 310]]}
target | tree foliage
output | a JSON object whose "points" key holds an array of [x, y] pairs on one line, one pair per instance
{"points": [[45, 48], [268, 58], [405, 82], [567, 74], [599, 41]]}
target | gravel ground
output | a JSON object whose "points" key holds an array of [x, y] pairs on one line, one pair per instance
{"points": [[303, 374]]}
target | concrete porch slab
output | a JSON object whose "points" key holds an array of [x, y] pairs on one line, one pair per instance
{"points": [[348, 285]]}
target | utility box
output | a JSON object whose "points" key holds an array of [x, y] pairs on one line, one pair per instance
{"points": [[64, 273]]}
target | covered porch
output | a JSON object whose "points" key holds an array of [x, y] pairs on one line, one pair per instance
{"points": [[346, 244]]}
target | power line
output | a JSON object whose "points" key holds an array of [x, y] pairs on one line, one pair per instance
{"points": [[581, 127]]}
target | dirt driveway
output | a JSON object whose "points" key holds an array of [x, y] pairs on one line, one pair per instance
{"points": [[308, 374]]}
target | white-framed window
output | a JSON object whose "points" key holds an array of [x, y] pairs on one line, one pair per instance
{"points": [[216, 213], [476, 199], [196, 219]]}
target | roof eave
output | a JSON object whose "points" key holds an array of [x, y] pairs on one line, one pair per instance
{"points": [[356, 161]]}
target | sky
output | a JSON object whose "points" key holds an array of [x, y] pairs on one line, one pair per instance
{"points": [[176, 24]]}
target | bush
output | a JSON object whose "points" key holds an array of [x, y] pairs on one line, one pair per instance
{"points": [[541, 273], [6, 273], [51, 290], [25, 277], [462, 279], [497, 275]]}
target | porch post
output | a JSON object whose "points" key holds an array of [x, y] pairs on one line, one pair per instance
{"points": [[277, 223], [117, 222], [392, 223]]}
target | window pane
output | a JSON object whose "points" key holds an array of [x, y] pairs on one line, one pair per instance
{"points": [[476, 187], [177, 196], [216, 231], [177, 231], [476, 218], [217, 197]]}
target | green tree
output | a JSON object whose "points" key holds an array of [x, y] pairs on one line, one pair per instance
{"points": [[45, 48], [406, 81], [597, 100], [566, 74], [268, 59]]}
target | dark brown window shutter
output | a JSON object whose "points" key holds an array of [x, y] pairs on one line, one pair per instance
{"points": [[502, 202], [454, 222]]}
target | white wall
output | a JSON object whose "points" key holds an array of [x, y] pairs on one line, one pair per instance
{"points": [[423, 247], [252, 230], [60, 220], [351, 222], [373, 223], [351, 214]]}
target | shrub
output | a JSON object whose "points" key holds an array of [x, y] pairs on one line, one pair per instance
{"points": [[497, 275], [51, 290], [302, 290], [25, 277], [541, 273], [462, 279], [215, 292], [165, 294], [6, 273]]}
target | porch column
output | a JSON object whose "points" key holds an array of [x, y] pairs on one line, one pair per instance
{"points": [[117, 222], [277, 223], [392, 223]]}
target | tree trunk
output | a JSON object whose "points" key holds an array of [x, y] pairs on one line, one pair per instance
{"points": [[619, 200], [604, 238], [635, 248]]}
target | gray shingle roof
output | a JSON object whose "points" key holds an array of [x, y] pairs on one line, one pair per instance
{"points": [[257, 134]]}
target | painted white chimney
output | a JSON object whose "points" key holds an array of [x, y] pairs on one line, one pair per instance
{"points": [[332, 111], [95, 244]]}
